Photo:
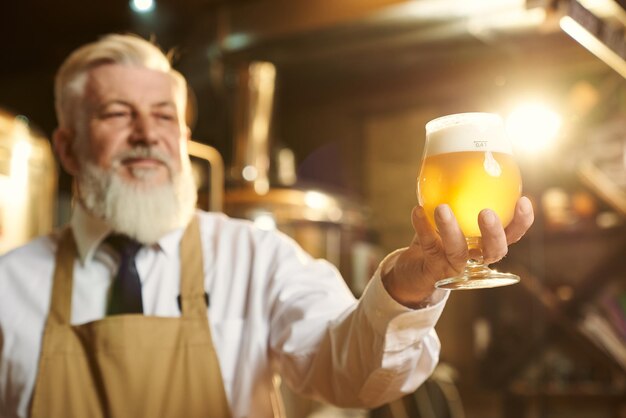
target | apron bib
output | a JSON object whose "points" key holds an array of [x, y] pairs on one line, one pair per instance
{"points": [[130, 365]]}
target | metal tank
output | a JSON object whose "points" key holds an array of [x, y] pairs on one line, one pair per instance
{"points": [[325, 224], [28, 182]]}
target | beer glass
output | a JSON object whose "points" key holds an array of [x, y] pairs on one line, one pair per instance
{"points": [[468, 164]]}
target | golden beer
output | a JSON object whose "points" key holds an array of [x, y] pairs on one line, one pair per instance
{"points": [[468, 164], [470, 181]]}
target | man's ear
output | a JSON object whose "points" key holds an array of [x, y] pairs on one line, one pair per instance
{"points": [[63, 140]]}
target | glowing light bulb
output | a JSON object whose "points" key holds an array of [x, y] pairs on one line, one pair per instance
{"points": [[533, 126], [142, 6]]}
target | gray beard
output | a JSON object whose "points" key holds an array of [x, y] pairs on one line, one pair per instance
{"points": [[145, 213]]}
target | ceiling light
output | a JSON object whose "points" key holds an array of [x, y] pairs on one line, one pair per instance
{"points": [[142, 6], [533, 126]]}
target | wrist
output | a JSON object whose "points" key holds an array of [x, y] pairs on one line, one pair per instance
{"points": [[407, 289]]}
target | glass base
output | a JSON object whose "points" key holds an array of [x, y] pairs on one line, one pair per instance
{"points": [[484, 280]]}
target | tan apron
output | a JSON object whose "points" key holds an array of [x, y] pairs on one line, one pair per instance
{"points": [[130, 365]]}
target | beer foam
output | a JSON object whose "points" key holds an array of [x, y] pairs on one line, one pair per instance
{"points": [[467, 132]]}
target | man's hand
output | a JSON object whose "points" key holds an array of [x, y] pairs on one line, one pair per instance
{"points": [[433, 255]]}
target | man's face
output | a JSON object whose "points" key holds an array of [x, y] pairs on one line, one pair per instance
{"points": [[128, 111]]}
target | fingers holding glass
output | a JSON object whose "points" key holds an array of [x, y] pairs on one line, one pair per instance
{"points": [[468, 164], [494, 245], [522, 220]]}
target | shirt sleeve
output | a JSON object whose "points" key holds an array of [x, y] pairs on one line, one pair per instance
{"points": [[350, 353]]}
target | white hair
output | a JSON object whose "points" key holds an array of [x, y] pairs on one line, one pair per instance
{"points": [[129, 50]]}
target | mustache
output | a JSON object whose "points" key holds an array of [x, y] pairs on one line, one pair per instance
{"points": [[143, 152]]}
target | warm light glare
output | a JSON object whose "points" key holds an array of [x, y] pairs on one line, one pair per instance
{"points": [[533, 126], [315, 200], [265, 221], [249, 173], [142, 6], [19, 162], [442, 9], [262, 186]]}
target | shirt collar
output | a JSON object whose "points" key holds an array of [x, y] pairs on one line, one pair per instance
{"points": [[170, 242], [89, 232]]}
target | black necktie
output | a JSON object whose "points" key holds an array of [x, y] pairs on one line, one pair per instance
{"points": [[126, 289]]}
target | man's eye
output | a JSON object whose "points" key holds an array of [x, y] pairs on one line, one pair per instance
{"points": [[113, 115], [165, 116]]}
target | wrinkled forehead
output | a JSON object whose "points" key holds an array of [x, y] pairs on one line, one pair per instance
{"points": [[134, 84]]}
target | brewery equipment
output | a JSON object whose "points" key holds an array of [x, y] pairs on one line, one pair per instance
{"points": [[325, 224], [28, 182]]}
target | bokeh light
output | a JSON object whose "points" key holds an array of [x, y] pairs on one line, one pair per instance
{"points": [[142, 6], [533, 126]]}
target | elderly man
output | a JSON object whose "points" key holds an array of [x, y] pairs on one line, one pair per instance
{"points": [[144, 307]]}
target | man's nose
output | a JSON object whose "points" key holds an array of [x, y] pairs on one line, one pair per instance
{"points": [[144, 130]]}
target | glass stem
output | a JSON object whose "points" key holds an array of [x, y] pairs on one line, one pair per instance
{"points": [[475, 264]]}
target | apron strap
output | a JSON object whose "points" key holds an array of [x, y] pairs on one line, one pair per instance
{"points": [[192, 294], [61, 298]]}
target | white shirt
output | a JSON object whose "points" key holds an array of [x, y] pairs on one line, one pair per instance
{"points": [[272, 308]]}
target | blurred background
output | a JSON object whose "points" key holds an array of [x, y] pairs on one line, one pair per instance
{"points": [[309, 117]]}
